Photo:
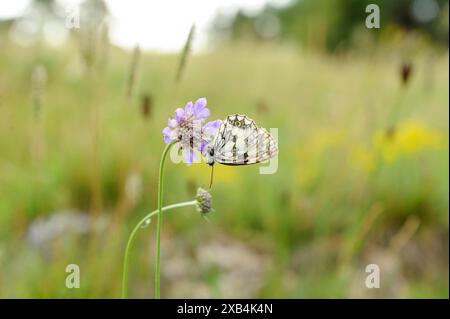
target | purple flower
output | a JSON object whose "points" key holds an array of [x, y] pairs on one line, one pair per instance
{"points": [[187, 128], [209, 131]]}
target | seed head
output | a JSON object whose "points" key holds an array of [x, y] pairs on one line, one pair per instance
{"points": [[204, 201], [146, 105], [406, 70]]}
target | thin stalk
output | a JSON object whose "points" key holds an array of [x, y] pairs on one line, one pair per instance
{"points": [[139, 225], [159, 224]]}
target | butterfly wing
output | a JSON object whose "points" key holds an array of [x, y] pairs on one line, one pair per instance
{"points": [[240, 142]]}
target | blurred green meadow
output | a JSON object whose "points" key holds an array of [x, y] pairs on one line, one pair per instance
{"points": [[362, 171]]}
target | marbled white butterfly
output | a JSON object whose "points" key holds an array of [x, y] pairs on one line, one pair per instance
{"points": [[240, 142]]}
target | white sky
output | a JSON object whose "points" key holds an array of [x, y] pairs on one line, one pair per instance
{"points": [[160, 25]]}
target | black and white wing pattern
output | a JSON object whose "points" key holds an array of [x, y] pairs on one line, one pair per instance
{"points": [[240, 141]]}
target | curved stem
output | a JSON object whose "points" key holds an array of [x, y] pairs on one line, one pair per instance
{"points": [[133, 235], [159, 224]]}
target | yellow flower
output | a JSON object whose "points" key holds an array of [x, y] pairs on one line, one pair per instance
{"points": [[408, 139], [225, 174], [324, 140], [222, 173], [363, 158]]}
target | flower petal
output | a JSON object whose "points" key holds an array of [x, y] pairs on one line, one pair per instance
{"points": [[203, 147], [189, 109], [200, 104], [212, 127], [203, 114], [172, 123], [169, 135], [179, 114], [190, 155]]}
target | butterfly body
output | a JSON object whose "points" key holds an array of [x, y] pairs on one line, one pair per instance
{"points": [[239, 141]]}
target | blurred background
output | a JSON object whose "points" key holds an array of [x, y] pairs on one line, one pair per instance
{"points": [[86, 88]]}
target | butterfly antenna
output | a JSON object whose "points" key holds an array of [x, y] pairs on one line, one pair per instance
{"points": [[212, 174]]}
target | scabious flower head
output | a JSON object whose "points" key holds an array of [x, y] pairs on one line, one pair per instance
{"points": [[204, 201], [187, 128]]}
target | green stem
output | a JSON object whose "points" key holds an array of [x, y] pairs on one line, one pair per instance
{"points": [[159, 224], [139, 225]]}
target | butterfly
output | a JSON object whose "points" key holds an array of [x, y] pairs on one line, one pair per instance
{"points": [[239, 141]]}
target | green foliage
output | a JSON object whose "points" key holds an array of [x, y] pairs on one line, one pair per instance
{"points": [[344, 188], [331, 25]]}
